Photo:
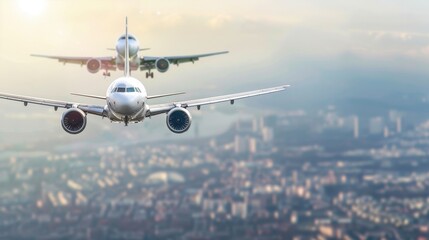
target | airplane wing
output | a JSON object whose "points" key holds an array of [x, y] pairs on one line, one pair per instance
{"points": [[164, 108], [148, 63], [107, 63], [91, 109]]}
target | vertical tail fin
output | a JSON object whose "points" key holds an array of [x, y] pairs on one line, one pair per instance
{"points": [[127, 51]]}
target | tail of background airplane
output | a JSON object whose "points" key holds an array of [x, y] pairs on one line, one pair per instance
{"points": [[127, 51]]}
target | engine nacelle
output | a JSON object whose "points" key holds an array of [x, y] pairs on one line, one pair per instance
{"points": [[179, 120], [93, 65], [73, 121], [162, 65]]}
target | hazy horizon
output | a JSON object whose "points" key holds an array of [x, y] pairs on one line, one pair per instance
{"points": [[331, 52]]}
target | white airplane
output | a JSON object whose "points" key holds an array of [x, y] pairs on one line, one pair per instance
{"points": [[142, 63], [126, 101]]}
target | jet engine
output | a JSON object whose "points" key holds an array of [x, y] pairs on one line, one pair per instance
{"points": [[73, 121], [93, 65], [179, 120], [162, 65]]}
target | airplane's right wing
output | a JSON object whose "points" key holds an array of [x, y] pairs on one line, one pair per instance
{"points": [[164, 108], [148, 63]]}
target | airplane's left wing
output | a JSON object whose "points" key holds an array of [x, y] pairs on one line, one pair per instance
{"points": [[107, 63], [148, 63], [164, 108], [91, 109]]}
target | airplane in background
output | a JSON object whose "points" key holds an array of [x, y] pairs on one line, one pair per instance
{"points": [[137, 62], [126, 102]]}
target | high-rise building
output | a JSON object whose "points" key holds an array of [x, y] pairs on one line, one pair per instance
{"points": [[398, 125], [255, 125], [258, 124], [261, 122], [355, 127], [295, 177], [241, 144], [267, 134], [239, 209], [376, 125], [393, 115], [294, 218], [308, 183], [253, 146], [386, 132], [396, 118]]}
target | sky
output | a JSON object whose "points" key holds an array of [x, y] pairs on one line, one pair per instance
{"points": [[330, 51]]}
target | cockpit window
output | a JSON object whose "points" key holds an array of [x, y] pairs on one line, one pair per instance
{"points": [[124, 89], [129, 38]]}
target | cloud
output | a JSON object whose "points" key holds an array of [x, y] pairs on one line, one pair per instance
{"points": [[390, 43], [399, 36], [219, 21], [171, 20]]}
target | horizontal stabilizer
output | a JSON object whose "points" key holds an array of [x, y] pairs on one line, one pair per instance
{"points": [[165, 95], [114, 49]]}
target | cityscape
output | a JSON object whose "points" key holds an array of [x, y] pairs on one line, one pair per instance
{"points": [[290, 175]]}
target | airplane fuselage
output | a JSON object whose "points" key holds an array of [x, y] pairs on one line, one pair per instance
{"points": [[126, 100], [134, 48]]}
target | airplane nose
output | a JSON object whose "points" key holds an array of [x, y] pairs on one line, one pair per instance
{"points": [[125, 105], [133, 45], [134, 48]]}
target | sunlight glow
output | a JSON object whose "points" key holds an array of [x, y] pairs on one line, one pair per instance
{"points": [[32, 8]]}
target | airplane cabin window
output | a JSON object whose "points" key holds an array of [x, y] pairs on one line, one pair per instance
{"points": [[131, 89], [121, 89]]}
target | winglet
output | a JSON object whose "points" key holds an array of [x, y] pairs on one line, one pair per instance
{"points": [[127, 51]]}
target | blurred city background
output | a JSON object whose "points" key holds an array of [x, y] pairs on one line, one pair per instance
{"points": [[342, 154]]}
